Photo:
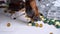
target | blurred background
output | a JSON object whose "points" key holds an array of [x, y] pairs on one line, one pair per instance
{"points": [[49, 8]]}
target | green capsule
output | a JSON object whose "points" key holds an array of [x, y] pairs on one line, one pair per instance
{"points": [[51, 22], [57, 26], [46, 21], [33, 24]]}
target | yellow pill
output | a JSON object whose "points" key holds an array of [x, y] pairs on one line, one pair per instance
{"points": [[36, 24], [56, 23], [29, 24], [41, 25], [8, 24], [42, 19], [51, 33]]}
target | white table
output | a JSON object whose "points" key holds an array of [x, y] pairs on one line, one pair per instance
{"points": [[19, 27]]}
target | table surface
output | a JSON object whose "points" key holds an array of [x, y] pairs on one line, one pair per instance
{"points": [[20, 27]]}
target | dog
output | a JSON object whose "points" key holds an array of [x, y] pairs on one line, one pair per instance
{"points": [[30, 9]]}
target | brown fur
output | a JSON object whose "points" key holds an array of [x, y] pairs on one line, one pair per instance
{"points": [[34, 7], [32, 4]]}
